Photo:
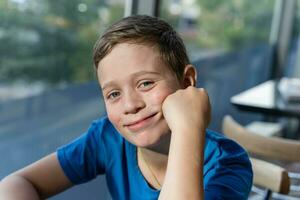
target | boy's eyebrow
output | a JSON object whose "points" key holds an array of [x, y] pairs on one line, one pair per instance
{"points": [[110, 83]]}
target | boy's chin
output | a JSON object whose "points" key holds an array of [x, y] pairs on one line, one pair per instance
{"points": [[149, 137], [155, 142], [144, 142]]}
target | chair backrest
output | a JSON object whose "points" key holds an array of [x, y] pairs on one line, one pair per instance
{"points": [[268, 147], [270, 176]]}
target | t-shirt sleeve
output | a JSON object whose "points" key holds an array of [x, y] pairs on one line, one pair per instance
{"points": [[84, 158], [230, 176]]}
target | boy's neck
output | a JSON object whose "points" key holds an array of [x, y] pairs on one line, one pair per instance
{"points": [[153, 166], [154, 158], [162, 147], [157, 156]]}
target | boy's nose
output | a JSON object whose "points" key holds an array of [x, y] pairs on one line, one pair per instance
{"points": [[133, 103]]}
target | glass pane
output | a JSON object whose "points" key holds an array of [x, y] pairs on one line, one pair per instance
{"points": [[47, 43], [213, 26]]}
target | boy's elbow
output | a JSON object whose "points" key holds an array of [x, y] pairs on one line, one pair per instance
{"points": [[17, 187]]}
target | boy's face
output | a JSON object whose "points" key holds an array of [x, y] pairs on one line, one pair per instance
{"points": [[135, 82]]}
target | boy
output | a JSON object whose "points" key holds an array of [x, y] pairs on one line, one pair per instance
{"points": [[153, 144]]}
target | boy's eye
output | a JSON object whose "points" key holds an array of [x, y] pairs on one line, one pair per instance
{"points": [[146, 84], [113, 95]]}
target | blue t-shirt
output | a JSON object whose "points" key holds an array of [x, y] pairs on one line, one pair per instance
{"points": [[102, 150]]}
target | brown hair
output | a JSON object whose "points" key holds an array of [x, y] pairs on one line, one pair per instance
{"points": [[142, 29]]}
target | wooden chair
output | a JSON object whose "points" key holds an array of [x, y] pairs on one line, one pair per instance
{"points": [[271, 177], [266, 148]]}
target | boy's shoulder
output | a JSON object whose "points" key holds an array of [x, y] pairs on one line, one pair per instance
{"points": [[104, 130], [216, 142], [216, 137]]}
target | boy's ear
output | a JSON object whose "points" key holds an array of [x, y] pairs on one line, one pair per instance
{"points": [[189, 76]]}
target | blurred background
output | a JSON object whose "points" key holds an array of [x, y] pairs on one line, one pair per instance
{"points": [[48, 90]]}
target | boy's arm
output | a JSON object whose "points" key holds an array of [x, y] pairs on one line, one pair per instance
{"points": [[187, 113], [39, 180]]}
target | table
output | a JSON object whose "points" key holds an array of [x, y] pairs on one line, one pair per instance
{"points": [[265, 99]]}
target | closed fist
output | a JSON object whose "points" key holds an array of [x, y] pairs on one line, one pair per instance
{"points": [[187, 108]]}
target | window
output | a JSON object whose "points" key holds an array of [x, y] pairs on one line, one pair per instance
{"points": [[47, 43], [212, 26]]}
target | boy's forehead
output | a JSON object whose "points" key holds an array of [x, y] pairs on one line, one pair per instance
{"points": [[126, 59], [130, 55]]}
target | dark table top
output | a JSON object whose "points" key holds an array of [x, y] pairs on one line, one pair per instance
{"points": [[266, 99]]}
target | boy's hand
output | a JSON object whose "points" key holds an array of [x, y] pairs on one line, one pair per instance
{"points": [[187, 108], [187, 113]]}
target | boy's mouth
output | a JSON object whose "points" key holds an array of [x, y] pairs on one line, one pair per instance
{"points": [[140, 123]]}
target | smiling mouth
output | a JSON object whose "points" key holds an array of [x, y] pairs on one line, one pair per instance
{"points": [[141, 124]]}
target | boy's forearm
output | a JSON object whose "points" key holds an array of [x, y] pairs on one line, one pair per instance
{"points": [[16, 187], [184, 177]]}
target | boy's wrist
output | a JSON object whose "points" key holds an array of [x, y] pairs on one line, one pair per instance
{"points": [[185, 129], [188, 136]]}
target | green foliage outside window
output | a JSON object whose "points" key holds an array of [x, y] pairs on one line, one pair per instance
{"points": [[51, 41], [227, 24]]}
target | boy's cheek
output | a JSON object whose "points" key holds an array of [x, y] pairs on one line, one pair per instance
{"points": [[159, 97], [112, 116]]}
